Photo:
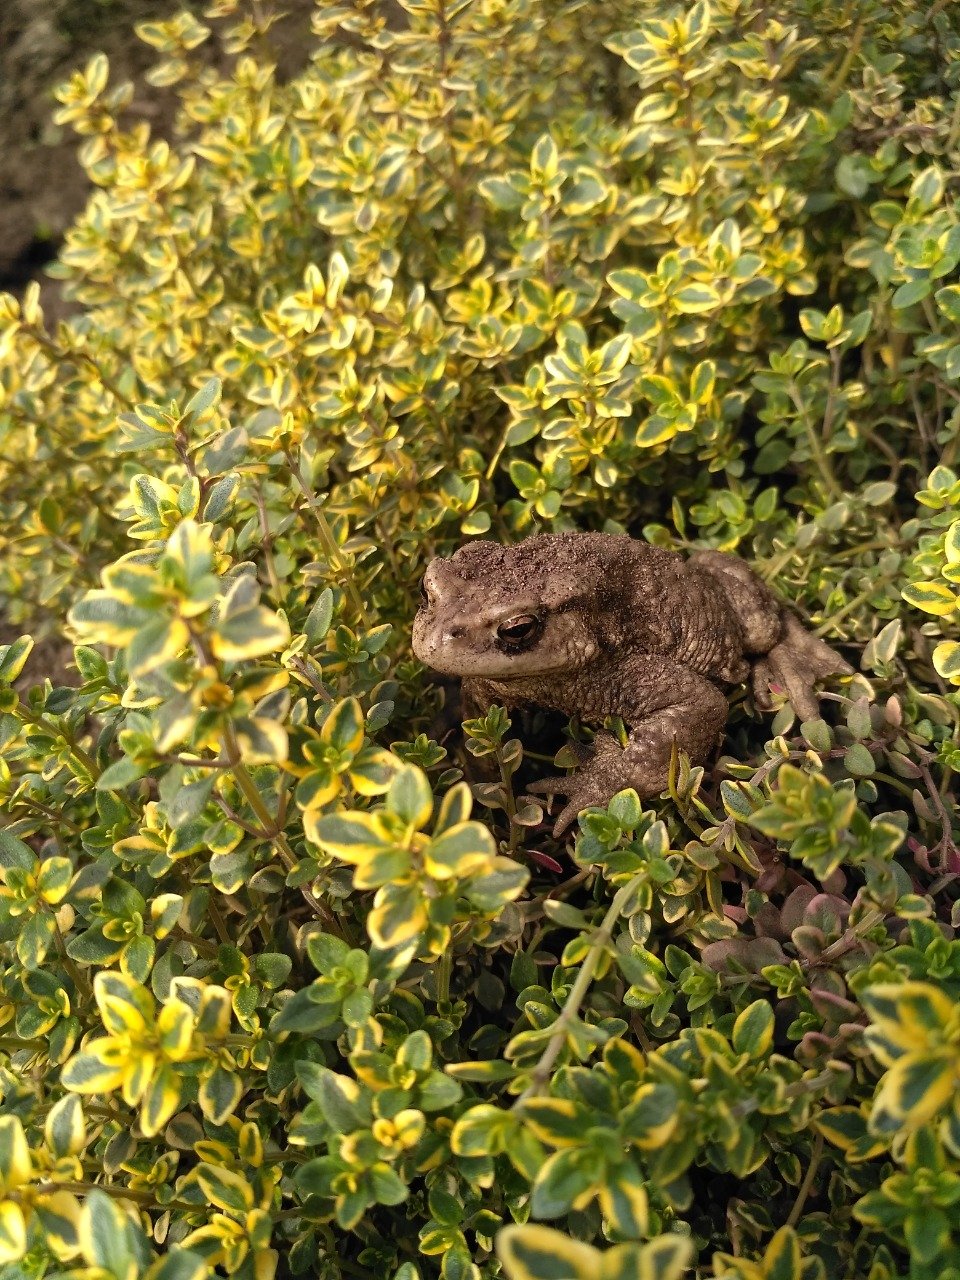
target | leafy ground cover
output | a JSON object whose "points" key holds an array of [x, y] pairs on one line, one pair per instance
{"points": [[279, 992]]}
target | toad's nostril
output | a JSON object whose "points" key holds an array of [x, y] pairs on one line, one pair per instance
{"points": [[454, 633]]}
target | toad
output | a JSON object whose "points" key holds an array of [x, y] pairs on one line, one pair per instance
{"points": [[596, 625]]}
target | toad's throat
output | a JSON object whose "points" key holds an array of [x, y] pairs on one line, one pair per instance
{"points": [[591, 693]]}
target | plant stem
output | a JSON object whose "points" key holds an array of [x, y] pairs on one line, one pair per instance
{"points": [[142, 1198], [816, 1156], [48, 726], [328, 541], [270, 829], [817, 452], [266, 541], [444, 971], [946, 824], [570, 1010], [839, 80], [749, 1105], [826, 627]]}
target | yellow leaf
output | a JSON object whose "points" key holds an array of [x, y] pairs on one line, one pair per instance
{"points": [[125, 1006], [946, 659], [160, 1101], [175, 1027], [137, 1073], [13, 1233], [16, 1167]]}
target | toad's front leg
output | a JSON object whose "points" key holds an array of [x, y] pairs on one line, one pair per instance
{"points": [[682, 707]]}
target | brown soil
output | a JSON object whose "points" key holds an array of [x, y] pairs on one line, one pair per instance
{"points": [[42, 187]]}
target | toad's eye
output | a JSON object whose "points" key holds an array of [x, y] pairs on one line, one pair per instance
{"points": [[519, 631]]}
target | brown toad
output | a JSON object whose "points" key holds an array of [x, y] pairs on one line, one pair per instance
{"points": [[595, 625]]}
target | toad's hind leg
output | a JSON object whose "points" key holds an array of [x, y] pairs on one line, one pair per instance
{"points": [[756, 608], [693, 718], [783, 651], [795, 663]]}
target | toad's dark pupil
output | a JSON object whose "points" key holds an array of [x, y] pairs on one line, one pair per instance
{"points": [[518, 629]]}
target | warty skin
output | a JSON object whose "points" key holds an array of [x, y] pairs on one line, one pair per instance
{"points": [[596, 625]]}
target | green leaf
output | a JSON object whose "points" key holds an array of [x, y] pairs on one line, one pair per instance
{"points": [[320, 618], [854, 175], [220, 497], [909, 294], [14, 853], [119, 775], [410, 797], [858, 761], [107, 1236], [178, 1264], [220, 1094], [13, 658], [65, 1129], [204, 399]]}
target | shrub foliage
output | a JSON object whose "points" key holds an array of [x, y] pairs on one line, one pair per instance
{"points": [[279, 990]]}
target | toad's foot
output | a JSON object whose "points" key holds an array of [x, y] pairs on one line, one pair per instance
{"points": [[694, 723], [795, 663], [608, 769]]}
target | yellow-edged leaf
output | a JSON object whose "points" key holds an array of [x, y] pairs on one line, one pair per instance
{"points": [[352, 835], [175, 1027], [13, 1232], [917, 1086], [532, 1252], [16, 1167], [99, 1068], [931, 597], [226, 1189], [160, 1101], [125, 1006], [946, 659], [138, 1072], [343, 727], [398, 916]]}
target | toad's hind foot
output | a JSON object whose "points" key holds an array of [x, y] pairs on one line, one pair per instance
{"points": [[795, 663]]}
